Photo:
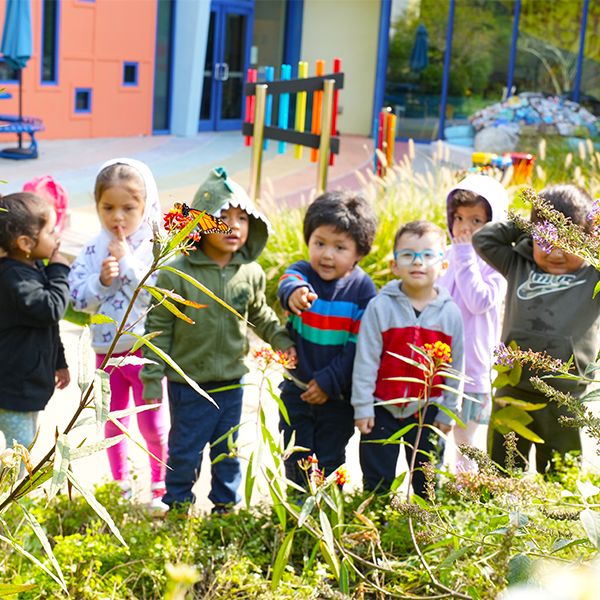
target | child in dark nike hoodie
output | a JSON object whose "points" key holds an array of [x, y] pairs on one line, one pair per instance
{"points": [[549, 307]]}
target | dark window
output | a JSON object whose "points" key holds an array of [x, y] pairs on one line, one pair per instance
{"points": [[49, 41], [8, 73], [130, 73], [162, 66], [83, 100]]}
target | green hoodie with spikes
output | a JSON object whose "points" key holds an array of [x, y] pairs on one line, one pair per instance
{"points": [[214, 348]]}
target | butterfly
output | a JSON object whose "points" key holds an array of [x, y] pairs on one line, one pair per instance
{"points": [[207, 223]]}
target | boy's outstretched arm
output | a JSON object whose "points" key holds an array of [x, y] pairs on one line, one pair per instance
{"points": [[495, 244], [294, 292]]}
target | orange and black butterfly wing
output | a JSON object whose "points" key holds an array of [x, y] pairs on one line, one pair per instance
{"points": [[210, 224]]}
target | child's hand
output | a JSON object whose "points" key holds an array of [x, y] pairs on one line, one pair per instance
{"points": [[465, 237], [365, 426], [443, 427], [62, 378], [109, 271], [58, 258], [118, 246], [314, 394], [292, 358], [301, 299]]}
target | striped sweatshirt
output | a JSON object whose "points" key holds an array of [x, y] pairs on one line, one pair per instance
{"points": [[325, 335]]}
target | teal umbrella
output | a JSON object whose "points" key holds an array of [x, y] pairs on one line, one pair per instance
{"points": [[17, 41], [419, 57]]}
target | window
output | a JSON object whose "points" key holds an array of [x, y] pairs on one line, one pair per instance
{"points": [[130, 73], [8, 74], [49, 41], [83, 100]]}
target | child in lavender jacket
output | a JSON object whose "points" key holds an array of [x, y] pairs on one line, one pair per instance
{"points": [[478, 289]]}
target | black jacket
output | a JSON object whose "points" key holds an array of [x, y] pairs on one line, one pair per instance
{"points": [[33, 299]]}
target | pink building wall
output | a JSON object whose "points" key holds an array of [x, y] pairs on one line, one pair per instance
{"points": [[95, 38]]}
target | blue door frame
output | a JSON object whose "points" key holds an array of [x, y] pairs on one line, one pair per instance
{"points": [[217, 71]]}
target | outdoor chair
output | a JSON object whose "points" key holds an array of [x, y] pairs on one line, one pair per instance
{"points": [[20, 126]]}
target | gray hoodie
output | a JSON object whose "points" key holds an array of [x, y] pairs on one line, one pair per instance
{"points": [[389, 325]]}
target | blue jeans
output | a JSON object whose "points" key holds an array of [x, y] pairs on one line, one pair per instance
{"points": [[196, 422], [323, 428], [378, 461]]}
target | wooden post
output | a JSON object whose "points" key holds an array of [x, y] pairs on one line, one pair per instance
{"points": [[326, 117], [257, 141]]}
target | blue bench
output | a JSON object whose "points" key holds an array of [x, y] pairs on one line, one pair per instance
{"points": [[20, 126]]}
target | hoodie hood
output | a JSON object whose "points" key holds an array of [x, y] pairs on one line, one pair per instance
{"points": [[152, 209], [219, 192], [393, 288], [488, 188]]}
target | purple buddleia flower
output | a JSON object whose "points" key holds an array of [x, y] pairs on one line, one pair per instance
{"points": [[594, 216], [503, 356], [545, 235]]}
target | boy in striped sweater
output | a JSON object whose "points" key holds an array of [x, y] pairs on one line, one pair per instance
{"points": [[326, 297]]}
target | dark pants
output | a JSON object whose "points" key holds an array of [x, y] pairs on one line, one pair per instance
{"points": [[557, 438], [378, 461], [324, 428], [196, 422]]}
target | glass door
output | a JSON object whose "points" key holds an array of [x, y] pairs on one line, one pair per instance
{"points": [[227, 56]]}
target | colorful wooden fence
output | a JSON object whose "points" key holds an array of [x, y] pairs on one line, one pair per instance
{"points": [[270, 100]]}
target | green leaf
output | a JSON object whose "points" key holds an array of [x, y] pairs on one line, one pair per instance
{"points": [[307, 508], [398, 481], [204, 289], [587, 489], [327, 531], [33, 559], [83, 451], [562, 543], [139, 342], [410, 361], [9, 589], [344, 577], [41, 535], [173, 365], [162, 300], [331, 559], [101, 388], [250, 479], [31, 483], [280, 404], [519, 569], [521, 404], [62, 458], [124, 429], [98, 508], [99, 319], [226, 435], [590, 520], [183, 234], [282, 558], [596, 290], [450, 414], [453, 556], [173, 296]]}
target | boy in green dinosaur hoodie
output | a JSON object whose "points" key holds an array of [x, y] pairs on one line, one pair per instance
{"points": [[212, 350]]}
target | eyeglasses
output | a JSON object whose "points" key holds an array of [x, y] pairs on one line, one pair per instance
{"points": [[409, 257]]}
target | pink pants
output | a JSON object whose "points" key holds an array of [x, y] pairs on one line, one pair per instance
{"points": [[151, 423]]}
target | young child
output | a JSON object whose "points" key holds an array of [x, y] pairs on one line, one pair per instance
{"points": [[326, 298], [411, 310], [103, 279], [33, 299], [478, 290], [549, 307], [212, 350]]}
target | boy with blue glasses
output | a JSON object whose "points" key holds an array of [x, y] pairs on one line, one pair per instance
{"points": [[411, 310]]}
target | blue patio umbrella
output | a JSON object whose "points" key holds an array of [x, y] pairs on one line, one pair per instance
{"points": [[419, 58], [17, 41]]}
